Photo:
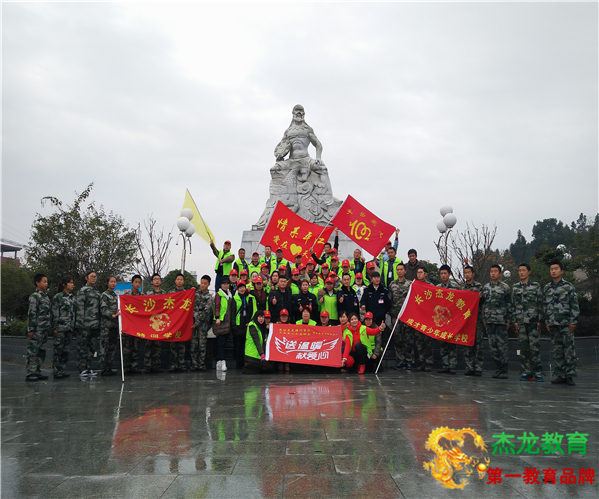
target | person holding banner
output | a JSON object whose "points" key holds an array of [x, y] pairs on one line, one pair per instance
{"points": [[423, 353], [404, 335], [358, 347], [223, 303], [131, 344], [448, 351], [474, 355], [279, 299], [255, 346], [109, 327], [327, 299], [306, 320], [177, 360], [324, 318], [305, 299]]}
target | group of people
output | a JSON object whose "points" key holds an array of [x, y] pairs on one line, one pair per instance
{"points": [[325, 291]]}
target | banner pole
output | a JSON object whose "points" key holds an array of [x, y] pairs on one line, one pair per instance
{"points": [[327, 225], [121, 344], [388, 341]]}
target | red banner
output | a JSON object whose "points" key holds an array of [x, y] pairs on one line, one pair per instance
{"points": [[301, 344], [167, 317], [443, 314], [362, 226], [294, 235]]}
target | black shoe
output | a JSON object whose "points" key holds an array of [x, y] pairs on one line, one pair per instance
{"points": [[451, 371], [61, 374], [445, 370], [502, 375], [478, 373], [32, 377], [409, 367], [41, 376], [173, 370], [558, 381], [497, 374], [136, 370], [399, 366], [426, 369], [570, 381], [156, 370], [469, 373]]}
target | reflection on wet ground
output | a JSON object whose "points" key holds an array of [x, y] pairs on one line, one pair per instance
{"points": [[320, 435]]}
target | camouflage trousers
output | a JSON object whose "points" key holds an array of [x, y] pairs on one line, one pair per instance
{"points": [[177, 359], [474, 355], [403, 343], [87, 347], [199, 342], [35, 353], [530, 349], [564, 353], [449, 355], [424, 349], [497, 334], [62, 341], [131, 351], [152, 350], [109, 338]]}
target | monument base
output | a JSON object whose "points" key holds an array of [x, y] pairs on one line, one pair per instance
{"points": [[250, 240]]}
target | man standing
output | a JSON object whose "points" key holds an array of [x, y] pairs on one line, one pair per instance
{"points": [[279, 299], [327, 301], [132, 344], [178, 347], [38, 326], [474, 354], [376, 300], [404, 335], [244, 308], [389, 267], [153, 347], [424, 343], [357, 264], [88, 323], [496, 314], [202, 318], [63, 320], [268, 259], [412, 265], [109, 322], [527, 300], [240, 263], [561, 311], [254, 264], [449, 353], [224, 262]]}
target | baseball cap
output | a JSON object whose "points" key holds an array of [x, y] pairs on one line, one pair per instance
{"points": [[368, 315], [359, 274], [267, 313], [345, 263], [334, 259], [264, 265], [329, 280], [243, 271], [284, 312], [333, 250], [294, 272], [283, 267], [324, 266], [258, 279], [324, 313], [227, 242], [233, 272], [370, 265], [241, 283]]}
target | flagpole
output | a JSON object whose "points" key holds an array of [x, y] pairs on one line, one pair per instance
{"points": [[121, 344], [388, 341], [327, 225]]}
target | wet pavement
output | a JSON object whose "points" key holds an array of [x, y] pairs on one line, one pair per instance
{"points": [[316, 435]]}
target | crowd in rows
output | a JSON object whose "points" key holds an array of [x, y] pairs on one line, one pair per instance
{"points": [[364, 297]]}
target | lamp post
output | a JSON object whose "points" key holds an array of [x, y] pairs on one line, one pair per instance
{"points": [[444, 227], [187, 230]]}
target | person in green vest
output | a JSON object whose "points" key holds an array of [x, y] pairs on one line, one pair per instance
{"points": [[265, 273], [294, 283], [315, 284], [346, 269], [254, 264], [360, 348], [327, 299], [240, 262], [306, 320], [370, 270], [389, 267], [244, 308], [268, 259], [223, 303], [297, 262], [279, 262], [357, 264], [255, 346], [303, 273], [224, 262], [244, 276], [374, 343]]}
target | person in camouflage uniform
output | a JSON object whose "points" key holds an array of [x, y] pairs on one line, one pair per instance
{"points": [[424, 344], [202, 321], [497, 307], [178, 347], [153, 348], [87, 322], [561, 311], [449, 351], [404, 335], [63, 320], [39, 324], [109, 332], [132, 345], [527, 303], [474, 355]]}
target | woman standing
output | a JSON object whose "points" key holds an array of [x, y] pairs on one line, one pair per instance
{"points": [[255, 346]]}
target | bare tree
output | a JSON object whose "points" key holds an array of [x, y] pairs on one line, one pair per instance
{"points": [[153, 248], [472, 246]]}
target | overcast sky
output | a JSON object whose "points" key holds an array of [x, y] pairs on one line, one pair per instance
{"points": [[488, 107]]}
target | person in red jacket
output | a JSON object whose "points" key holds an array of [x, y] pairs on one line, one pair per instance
{"points": [[354, 352]]}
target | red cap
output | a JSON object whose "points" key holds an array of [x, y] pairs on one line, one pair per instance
{"points": [[332, 274], [267, 313], [284, 312], [294, 272], [334, 259], [345, 263], [243, 271], [333, 250], [324, 266], [368, 315], [370, 265], [283, 267], [311, 262], [264, 265], [324, 313], [332, 281], [258, 279], [359, 274], [233, 272], [227, 242], [302, 267]]}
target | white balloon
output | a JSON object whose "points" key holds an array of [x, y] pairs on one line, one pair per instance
{"points": [[183, 223], [187, 213], [441, 227], [450, 220], [190, 231], [507, 274], [445, 210]]}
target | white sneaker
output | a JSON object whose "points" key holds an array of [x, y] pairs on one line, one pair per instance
{"points": [[84, 373], [223, 366], [219, 364], [92, 372]]}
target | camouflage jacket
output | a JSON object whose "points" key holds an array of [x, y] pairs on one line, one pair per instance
{"points": [[397, 294], [40, 312], [477, 287], [560, 303], [131, 293], [450, 285], [109, 304], [88, 308], [63, 311], [153, 292], [202, 310], [497, 304], [527, 302]]}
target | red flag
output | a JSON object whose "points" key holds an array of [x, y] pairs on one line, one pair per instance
{"points": [[443, 314], [167, 317], [362, 226], [293, 234], [320, 345]]}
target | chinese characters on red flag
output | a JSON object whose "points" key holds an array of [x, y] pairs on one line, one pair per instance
{"points": [[443, 314], [362, 226], [304, 344], [167, 317], [294, 235]]}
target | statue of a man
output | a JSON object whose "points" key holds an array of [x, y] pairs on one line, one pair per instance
{"points": [[299, 181]]}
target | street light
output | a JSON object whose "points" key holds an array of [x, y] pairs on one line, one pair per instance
{"points": [[187, 230], [444, 227]]}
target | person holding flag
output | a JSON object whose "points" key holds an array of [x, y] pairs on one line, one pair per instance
{"points": [[306, 317], [153, 348], [131, 344], [224, 262], [449, 353], [178, 347], [404, 335]]}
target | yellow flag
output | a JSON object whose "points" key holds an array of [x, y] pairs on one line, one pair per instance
{"points": [[201, 228]]}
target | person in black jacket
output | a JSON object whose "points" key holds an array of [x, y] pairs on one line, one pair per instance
{"points": [[279, 299], [303, 299], [376, 299], [347, 300]]}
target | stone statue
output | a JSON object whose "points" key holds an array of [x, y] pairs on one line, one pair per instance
{"points": [[300, 182]]}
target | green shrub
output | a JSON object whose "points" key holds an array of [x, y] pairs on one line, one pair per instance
{"points": [[15, 328]]}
